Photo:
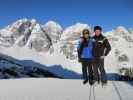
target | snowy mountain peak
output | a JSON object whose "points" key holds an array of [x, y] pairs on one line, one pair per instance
{"points": [[121, 29], [25, 32], [54, 30], [33, 21], [52, 23], [36, 29], [53, 26], [74, 31]]}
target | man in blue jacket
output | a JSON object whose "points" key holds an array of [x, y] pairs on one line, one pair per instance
{"points": [[85, 56]]}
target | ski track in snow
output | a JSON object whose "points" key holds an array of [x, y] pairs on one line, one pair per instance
{"points": [[62, 89]]}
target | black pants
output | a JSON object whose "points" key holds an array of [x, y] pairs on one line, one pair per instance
{"points": [[87, 69], [99, 71]]}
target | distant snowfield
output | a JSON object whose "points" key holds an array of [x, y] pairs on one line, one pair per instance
{"points": [[56, 58], [62, 89], [45, 58]]}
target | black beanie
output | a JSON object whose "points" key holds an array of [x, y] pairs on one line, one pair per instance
{"points": [[97, 28]]}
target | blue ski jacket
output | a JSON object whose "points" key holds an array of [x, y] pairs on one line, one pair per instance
{"points": [[86, 51]]}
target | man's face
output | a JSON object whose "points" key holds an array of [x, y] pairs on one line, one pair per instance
{"points": [[97, 32]]}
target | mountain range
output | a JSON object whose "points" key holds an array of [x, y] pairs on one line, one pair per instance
{"points": [[51, 45]]}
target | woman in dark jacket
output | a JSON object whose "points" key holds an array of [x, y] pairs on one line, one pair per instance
{"points": [[85, 56]]}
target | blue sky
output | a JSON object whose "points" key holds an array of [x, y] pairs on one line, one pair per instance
{"points": [[107, 13]]}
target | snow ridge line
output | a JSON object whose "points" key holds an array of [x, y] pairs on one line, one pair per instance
{"points": [[117, 91], [13, 62], [92, 92]]}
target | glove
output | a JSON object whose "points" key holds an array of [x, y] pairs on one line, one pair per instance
{"points": [[102, 57]]}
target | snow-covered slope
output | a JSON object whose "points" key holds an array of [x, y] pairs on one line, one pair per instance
{"points": [[14, 68], [121, 41], [53, 89], [47, 59], [50, 45]]}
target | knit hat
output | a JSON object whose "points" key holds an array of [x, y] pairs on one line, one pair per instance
{"points": [[97, 28]]}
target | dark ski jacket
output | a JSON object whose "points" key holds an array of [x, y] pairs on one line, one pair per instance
{"points": [[101, 46]]}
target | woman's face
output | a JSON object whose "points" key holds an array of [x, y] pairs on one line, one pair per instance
{"points": [[86, 35]]}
